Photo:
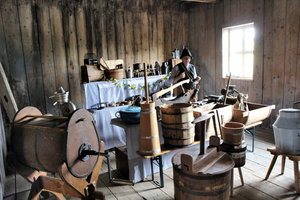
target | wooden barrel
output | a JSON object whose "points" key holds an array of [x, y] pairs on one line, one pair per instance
{"points": [[149, 134], [114, 73], [213, 184], [177, 126], [193, 187], [46, 142], [233, 133], [237, 153]]}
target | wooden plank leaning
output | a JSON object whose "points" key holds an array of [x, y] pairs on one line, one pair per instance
{"points": [[7, 97]]}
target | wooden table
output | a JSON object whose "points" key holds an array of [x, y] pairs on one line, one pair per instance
{"points": [[250, 127], [293, 158]]}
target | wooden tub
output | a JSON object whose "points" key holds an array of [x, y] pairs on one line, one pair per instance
{"points": [[256, 113]]}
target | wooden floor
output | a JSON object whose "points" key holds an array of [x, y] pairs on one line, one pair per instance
{"points": [[257, 163]]}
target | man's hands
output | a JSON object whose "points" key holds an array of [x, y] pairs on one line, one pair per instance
{"points": [[197, 79]]}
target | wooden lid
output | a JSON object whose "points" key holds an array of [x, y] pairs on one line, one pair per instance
{"points": [[212, 163]]}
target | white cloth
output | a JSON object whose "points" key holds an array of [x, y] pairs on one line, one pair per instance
{"points": [[103, 91], [100, 92], [112, 136], [140, 168]]}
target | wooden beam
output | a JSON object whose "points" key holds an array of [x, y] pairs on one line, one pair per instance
{"points": [[7, 97], [200, 1]]}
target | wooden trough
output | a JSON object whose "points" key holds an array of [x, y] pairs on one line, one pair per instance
{"points": [[256, 113]]}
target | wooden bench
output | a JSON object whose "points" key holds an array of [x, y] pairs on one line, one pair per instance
{"points": [[293, 158]]}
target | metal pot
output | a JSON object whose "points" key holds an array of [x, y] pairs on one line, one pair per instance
{"points": [[287, 131], [129, 115]]}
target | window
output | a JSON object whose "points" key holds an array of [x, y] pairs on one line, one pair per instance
{"points": [[238, 46]]}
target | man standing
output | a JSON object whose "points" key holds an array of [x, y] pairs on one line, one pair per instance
{"points": [[185, 70]]}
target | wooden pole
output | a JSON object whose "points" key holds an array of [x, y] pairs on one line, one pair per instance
{"points": [[227, 88], [146, 84]]}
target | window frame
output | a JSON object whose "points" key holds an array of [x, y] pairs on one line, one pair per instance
{"points": [[226, 50]]}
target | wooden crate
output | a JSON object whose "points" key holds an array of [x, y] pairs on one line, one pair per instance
{"points": [[122, 160], [256, 113], [91, 73]]}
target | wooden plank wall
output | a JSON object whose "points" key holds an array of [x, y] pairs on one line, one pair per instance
{"points": [[43, 43], [276, 54]]}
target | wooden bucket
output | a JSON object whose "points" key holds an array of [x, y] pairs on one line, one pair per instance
{"points": [[177, 126], [114, 73], [233, 133], [149, 134], [237, 153], [193, 187], [46, 142]]}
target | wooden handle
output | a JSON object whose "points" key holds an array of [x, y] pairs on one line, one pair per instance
{"points": [[158, 94], [206, 167], [203, 118], [146, 84], [227, 88]]}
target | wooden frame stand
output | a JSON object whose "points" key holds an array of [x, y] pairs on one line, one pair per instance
{"points": [[67, 183]]}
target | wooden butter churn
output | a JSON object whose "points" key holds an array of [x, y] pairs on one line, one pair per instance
{"points": [[59, 145], [201, 173]]}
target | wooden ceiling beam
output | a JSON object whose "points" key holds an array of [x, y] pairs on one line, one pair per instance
{"points": [[200, 1]]}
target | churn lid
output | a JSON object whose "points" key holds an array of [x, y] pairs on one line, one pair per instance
{"points": [[289, 113]]}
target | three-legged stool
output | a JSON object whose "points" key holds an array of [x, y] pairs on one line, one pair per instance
{"points": [[293, 158]]}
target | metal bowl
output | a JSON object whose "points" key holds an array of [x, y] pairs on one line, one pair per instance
{"points": [[129, 115]]}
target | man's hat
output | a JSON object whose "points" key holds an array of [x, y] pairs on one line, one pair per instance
{"points": [[186, 52]]}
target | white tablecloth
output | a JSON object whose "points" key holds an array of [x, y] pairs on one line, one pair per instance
{"points": [[103, 91], [122, 134], [111, 135], [140, 168]]}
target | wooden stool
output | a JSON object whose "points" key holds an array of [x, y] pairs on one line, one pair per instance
{"points": [[232, 179], [293, 158]]}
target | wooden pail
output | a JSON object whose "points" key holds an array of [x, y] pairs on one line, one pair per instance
{"points": [[177, 126], [233, 133], [114, 73], [149, 134], [237, 153], [45, 142]]}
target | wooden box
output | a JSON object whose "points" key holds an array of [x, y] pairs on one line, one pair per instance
{"points": [[256, 113], [91, 73], [122, 160]]}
